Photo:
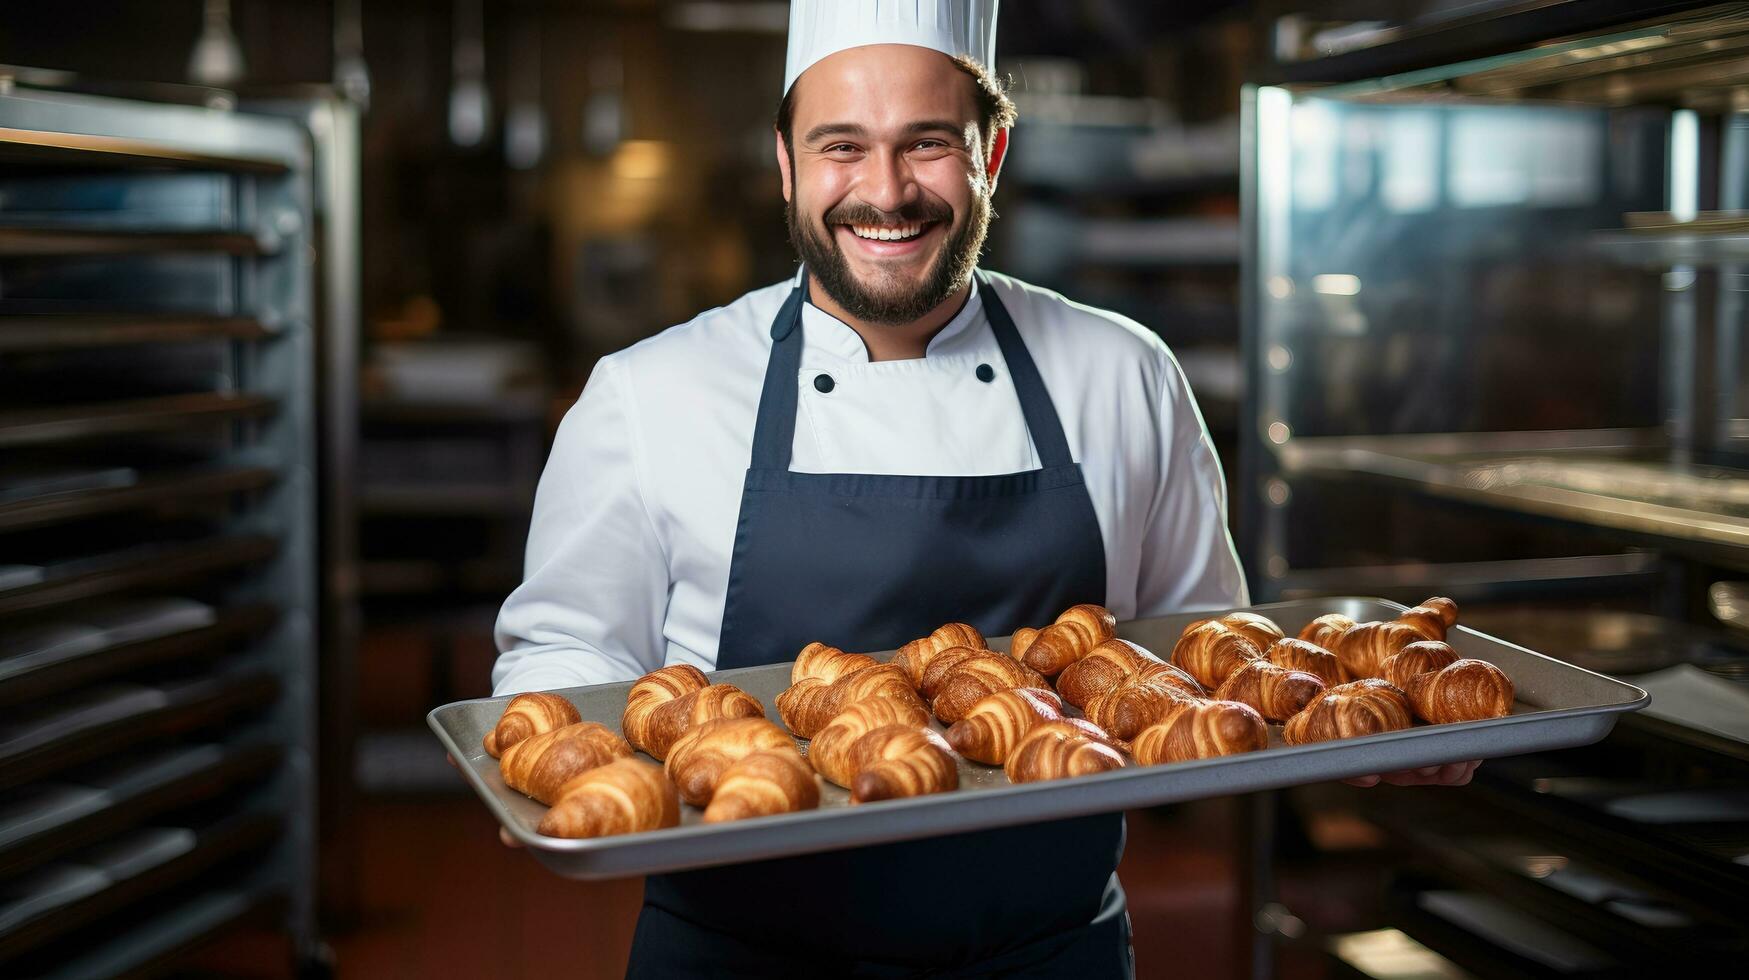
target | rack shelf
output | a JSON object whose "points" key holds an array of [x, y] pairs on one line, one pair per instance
{"points": [[51, 332], [25, 678], [62, 242], [52, 820], [57, 508], [23, 427], [137, 950], [64, 897], [155, 568], [87, 150], [121, 717]]}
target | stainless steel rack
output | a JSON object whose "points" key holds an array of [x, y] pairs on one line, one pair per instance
{"points": [[158, 589]]}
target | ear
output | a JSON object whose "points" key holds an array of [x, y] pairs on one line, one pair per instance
{"points": [[783, 165], [998, 152]]}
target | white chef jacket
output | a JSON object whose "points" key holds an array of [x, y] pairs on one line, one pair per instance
{"points": [[634, 520]]}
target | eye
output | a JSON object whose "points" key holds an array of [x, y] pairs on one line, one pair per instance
{"points": [[840, 148]]}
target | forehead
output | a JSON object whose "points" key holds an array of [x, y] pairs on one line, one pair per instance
{"points": [[883, 87]]}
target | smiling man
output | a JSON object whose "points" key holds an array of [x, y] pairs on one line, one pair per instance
{"points": [[891, 440]]}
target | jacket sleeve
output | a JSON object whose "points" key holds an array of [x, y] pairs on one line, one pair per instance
{"points": [[595, 576], [1188, 560]]}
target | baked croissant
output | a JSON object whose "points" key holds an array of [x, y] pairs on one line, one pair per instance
{"points": [[1260, 630], [901, 760], [1276, 692], [762, 783], [1074, 634], [1432, 618], [914, 656], [529, 714], [1416, 658], [539, 766], [664, 703], [1209, 651], [1020, 641], [1104, 668], [1363, 648], [1136, 704], [1061, 749], [1324, 630], [625, 796], [994, 725], [1467, 690], [1363, 707], [807, 705], [942, 666], [830, 750], [975, 677], [827, 663], [699, 757], [1307, 656], [1201, 730]]}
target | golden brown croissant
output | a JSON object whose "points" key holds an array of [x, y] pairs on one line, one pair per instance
{"points": [[1075, 633], [1363, 648], [901, 760], [1324, 630], [1135, 704], [625, 796], [994, 725], [539, 766], [665, 703], [807, 705], [1276, 692], [827, 663], [1467, 690], [1202, 730], [529, 714], [1432, 618], [1260, 630], [939, 668], [1209, 651], [699, 757], [1416, 658], [1363, 707], [830, 750], [1161, 673], [1303, 655], [976, 677], [762, 783], [914, 656], [1022, 639], [1104, 668], [1061, 749]]}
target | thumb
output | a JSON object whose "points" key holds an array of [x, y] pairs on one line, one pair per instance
{"points": [[506, 839]]}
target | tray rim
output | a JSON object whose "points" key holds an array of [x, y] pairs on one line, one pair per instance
{"points": [[1635, 699]]}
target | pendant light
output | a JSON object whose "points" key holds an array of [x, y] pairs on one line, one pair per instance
{"points": [[217, 58], [470, 104]]}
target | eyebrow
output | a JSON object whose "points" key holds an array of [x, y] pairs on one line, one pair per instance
{"points": [[857, 131]]}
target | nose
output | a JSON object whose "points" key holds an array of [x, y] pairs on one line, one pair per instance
{"points": [[887, 182]]}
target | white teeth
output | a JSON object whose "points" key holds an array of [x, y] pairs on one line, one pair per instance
{"points": [[882, 234]]}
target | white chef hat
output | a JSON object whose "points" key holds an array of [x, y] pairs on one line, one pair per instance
{"points": [[818, 28]]}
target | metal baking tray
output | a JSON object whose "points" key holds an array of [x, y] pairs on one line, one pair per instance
{"points": [[1559, 706]]}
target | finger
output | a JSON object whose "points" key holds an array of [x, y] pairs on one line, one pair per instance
{"points": [[506, 839], [1363, 782], [452, 761]]}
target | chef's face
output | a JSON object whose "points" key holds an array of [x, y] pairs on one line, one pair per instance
{"points": [[889, 182]]}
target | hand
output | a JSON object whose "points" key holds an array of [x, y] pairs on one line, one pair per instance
{"points": [[1451, 774], [503, 832]]}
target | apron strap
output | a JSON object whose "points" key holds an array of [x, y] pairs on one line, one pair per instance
{"points": [[775, 428], [1035, 401]]}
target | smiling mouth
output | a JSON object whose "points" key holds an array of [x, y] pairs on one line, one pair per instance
{"points": [[889, 233]]}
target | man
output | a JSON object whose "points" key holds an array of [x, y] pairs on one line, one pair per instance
{"points": [[890, 441]]}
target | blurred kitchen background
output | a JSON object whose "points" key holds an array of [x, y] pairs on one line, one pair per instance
{"points": [[294, 292]]}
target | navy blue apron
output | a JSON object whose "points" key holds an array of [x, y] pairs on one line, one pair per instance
{"points": [[868, 562]]}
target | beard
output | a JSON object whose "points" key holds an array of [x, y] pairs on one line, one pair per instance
{"points": [[886, 297]]}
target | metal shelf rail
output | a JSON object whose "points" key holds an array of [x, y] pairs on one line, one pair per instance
{"points": [[158, 652]]}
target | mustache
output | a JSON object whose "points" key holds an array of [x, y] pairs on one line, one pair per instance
{"points": [[859, 213]]}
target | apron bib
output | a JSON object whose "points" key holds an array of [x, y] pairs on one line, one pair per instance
{"points": [[869, 562]]}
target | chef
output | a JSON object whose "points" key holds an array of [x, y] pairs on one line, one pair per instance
{"points": [[892, 439]]}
